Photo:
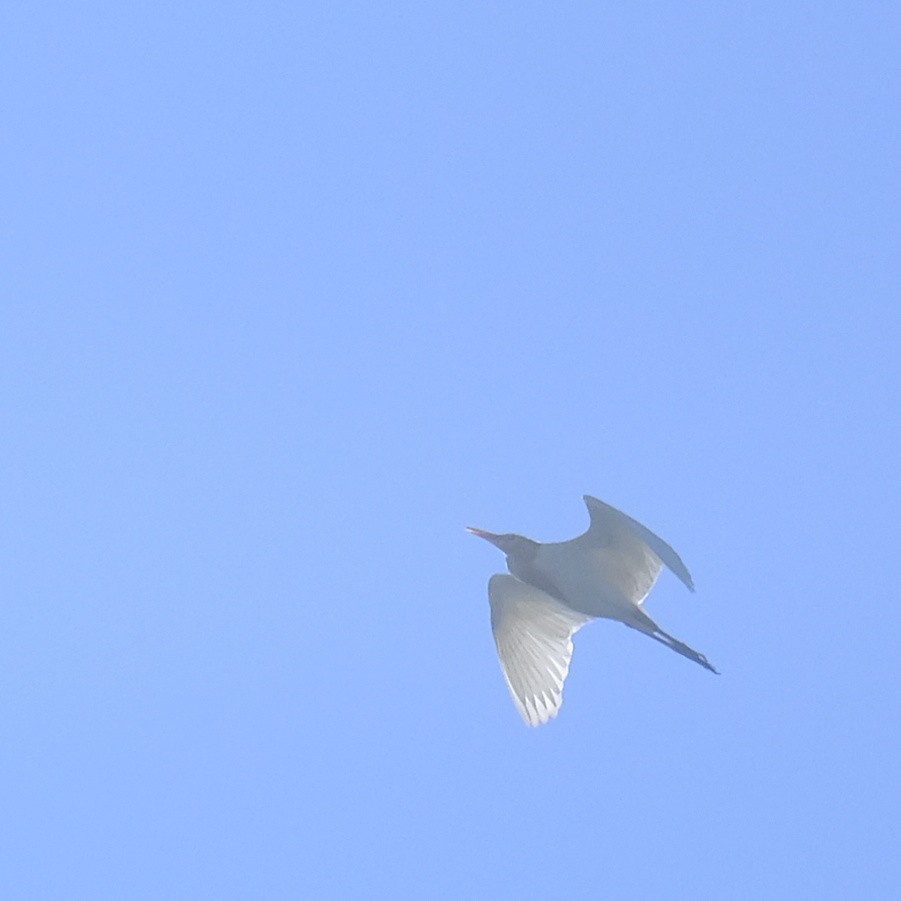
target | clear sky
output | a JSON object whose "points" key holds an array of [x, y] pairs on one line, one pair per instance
{"points": [[294, 292]]}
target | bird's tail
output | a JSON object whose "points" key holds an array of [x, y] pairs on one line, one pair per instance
{"points": [[646, 625]]}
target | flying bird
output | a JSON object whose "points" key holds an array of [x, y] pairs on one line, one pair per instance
{"points": [[554, 589]]}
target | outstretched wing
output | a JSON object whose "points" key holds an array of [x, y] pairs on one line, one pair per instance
{"points": [[533, 633], [614, 529]]}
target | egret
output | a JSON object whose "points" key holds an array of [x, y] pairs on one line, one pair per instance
{"points": [[554, 589]]}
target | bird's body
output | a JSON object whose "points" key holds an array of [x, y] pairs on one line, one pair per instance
{"points": [[554, 589]]}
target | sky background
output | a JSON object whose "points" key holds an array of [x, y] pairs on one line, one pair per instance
{"points": [[292, 293]]}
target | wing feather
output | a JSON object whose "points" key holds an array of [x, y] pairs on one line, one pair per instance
{"points": [[616, 529], [533, 634]]}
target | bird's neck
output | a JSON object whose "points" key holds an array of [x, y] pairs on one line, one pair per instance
{"points": [[524, 567]]}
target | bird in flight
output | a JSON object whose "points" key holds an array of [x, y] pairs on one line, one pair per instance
{"points": [[554, 589]]}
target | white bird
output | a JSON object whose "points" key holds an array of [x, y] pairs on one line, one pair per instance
{"points": [[556, 588]]}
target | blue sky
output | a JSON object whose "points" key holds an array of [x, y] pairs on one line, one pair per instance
{"points": [[293, 293]]}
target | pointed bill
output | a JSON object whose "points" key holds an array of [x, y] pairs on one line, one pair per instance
{"points": [[533, 633]]}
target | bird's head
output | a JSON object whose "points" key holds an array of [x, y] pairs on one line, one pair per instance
{"points": [[514, 546]]}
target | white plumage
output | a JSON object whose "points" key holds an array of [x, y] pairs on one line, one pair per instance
{"points": [[556, 588]]}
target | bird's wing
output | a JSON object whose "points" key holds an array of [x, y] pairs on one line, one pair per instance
{"points": [[614, 529], [533, 633]]}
